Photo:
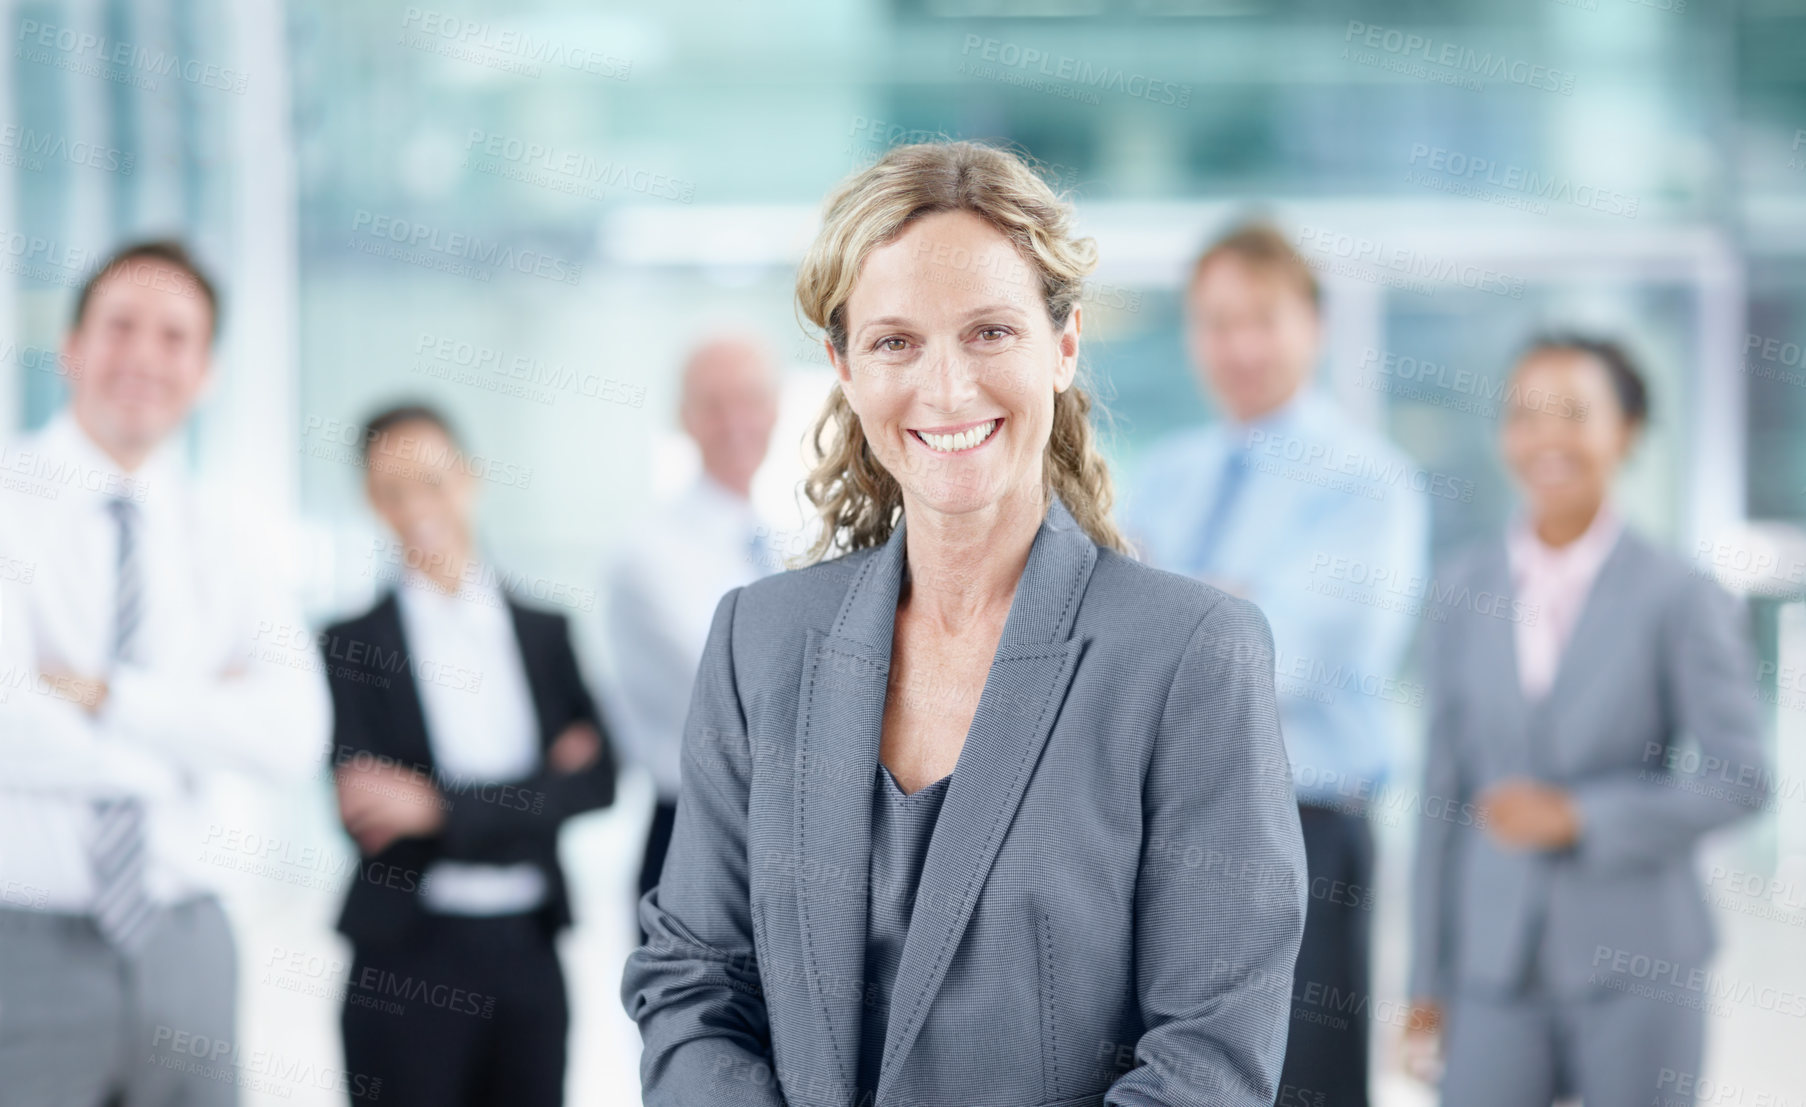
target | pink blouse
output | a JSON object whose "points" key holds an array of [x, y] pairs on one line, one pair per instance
{"points": [[1552, 582]]}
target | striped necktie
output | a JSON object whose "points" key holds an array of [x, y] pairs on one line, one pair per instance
{"points": [[122, 907]]}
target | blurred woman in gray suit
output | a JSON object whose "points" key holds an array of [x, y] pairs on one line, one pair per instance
{"points": [[1593, 715], [978, 809]]}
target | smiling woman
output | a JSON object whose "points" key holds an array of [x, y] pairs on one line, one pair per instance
{"points": [[1560, 732], [954, 228], [981, 810]]}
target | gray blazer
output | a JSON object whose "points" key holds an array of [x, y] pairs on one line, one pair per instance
{"points": [[1653, 725], [1113, 896]]}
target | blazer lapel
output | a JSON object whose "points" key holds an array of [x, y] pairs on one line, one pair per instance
{"points": [[409, 742], [536, 663], [1022, 696], [1600, 623], [840, 717], [1588, 647]]}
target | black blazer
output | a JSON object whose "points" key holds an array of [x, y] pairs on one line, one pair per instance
{"points": [[377, 713]]}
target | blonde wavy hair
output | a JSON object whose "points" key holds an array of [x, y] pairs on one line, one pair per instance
{"points": [[859, 501]]}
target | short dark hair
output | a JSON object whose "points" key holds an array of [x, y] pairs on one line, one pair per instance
{"points": [[1261, 245], [161, 251], [389, 418], [1627, 380]]}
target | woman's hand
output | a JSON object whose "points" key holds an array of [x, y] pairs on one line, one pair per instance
{"points": [[380, 803], [1528, 814], [576, 748]]}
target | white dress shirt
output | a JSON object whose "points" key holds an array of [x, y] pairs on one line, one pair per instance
{"points": [[480, 722], [226, 674], [662, 589]]}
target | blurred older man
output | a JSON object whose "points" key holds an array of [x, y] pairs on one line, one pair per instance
{"points": [[130, 625], [667, 578], [1287, 485]]}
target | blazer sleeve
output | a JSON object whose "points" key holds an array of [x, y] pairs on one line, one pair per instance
{"points": [[359, 721], [480, 821], [1220, 897], [694, 987], [356, 703], [1654, 813], [1440, 807]]}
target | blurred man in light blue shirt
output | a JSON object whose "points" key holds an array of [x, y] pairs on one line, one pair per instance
{"points": [[1289, 503]]}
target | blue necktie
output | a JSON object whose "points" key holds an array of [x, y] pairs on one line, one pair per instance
{"points": [[1211, 534]]}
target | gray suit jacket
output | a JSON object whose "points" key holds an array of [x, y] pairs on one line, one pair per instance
{"points": [[1652, 724], [1113, 896]]}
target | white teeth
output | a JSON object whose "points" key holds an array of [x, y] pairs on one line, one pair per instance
{"points": [[964, 440]]}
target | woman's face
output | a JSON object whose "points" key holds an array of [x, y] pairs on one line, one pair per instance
{"points": [[1565, 435], [419, 487], [952, 364]]}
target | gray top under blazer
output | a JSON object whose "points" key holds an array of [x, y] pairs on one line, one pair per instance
{"points": [[1652, 724], [902, 829], [1113, 897]]}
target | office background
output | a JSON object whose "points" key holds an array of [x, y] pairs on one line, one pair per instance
{"points": [[527, 212]]}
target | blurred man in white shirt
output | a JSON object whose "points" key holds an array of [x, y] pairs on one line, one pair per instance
{"points": [[133, 673], [665, 581]]}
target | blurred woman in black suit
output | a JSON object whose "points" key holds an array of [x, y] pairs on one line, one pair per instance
{"points": [[464, 737]]}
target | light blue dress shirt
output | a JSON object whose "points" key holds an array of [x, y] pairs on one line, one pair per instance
{"points": [[1327, 530]]}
